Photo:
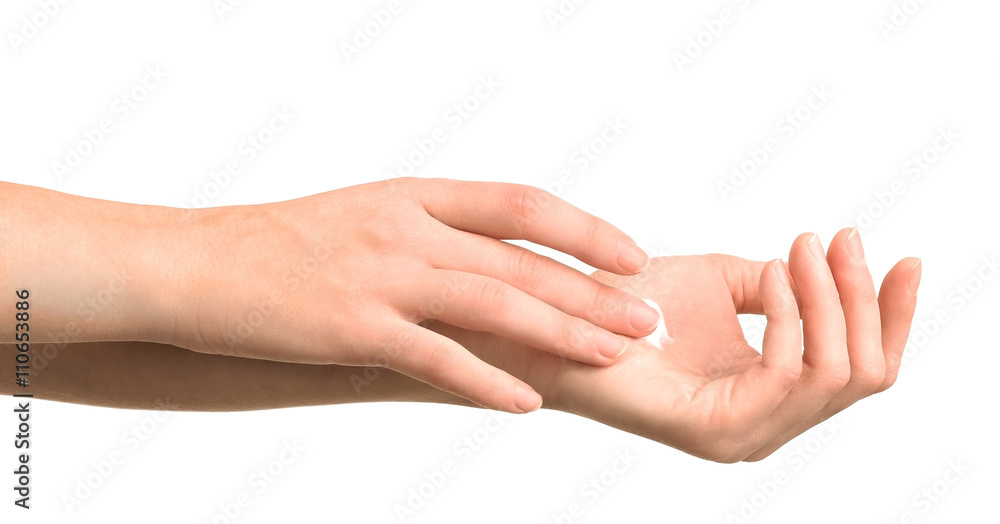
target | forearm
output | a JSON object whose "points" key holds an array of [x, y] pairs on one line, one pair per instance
{"points": [[142, 375], [114, 285], [240, 280], [331, 278], [94, 270]]}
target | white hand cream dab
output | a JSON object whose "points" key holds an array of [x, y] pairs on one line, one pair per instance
{"points": [[659, 337]]}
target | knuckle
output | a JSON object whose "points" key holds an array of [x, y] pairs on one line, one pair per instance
{"points": [[789, 377], [717, 260], [608, 303], [868, 378], [866, 295], [575, 336], [435, 362], [593, 232], [835, 380], [888, 381], [522, 203], [820, 302], [383, 227], [530, 270], [736, 442], [494, 296], [569, 339], [404, 183]]}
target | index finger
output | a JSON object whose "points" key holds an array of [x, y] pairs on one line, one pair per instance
{"points": [[763, 387], [743, 278], [516, 211]]}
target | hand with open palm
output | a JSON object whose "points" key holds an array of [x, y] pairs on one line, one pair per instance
{"points": [[708, 392]]}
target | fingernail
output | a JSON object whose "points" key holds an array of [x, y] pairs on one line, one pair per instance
{"points": [[782, 270], [642, 317], [916, 270], [631, 257], [815, 248], [854, 247], [785, 295], [527, 400], [611, 346]]}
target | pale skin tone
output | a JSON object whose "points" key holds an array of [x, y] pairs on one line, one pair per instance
{"points": [[334, 278], [707, 393]]}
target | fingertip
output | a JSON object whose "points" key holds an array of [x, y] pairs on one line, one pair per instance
{"points": [[611, 347], [800, 253], [846, 246], [780, 297], [904, 276], [782, 336], [631, 258], [803, 240], [447, 365], [526, 399], [781, 271], [897, 306], [915, 274], [643, 317]]}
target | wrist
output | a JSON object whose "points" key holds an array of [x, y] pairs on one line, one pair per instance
{"points": [[214, 264], [181, 269], [161, 259]]}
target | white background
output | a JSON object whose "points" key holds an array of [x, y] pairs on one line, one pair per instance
{"points": [[685, 129]]}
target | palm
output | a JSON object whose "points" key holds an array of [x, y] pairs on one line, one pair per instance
{"points": [[708, 392], [696, 384]]}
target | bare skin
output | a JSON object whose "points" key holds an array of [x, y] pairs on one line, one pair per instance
{"points": [[708, 393], [333, 278]]}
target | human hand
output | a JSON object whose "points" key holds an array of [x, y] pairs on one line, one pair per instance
{"points": [[709, 393], [345, 277]]}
